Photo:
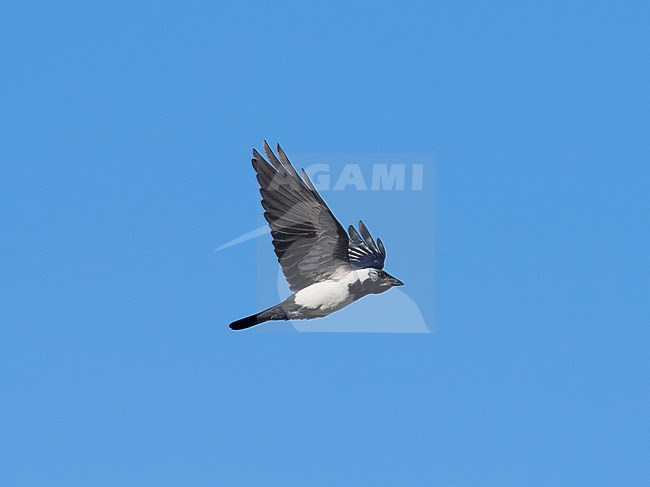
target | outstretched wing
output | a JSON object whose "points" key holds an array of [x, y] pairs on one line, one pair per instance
{"points": [[311, 245], [364, 252]]}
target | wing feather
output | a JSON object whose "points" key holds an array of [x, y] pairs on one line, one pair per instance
{"points": [[310, 243], [363, 250]]}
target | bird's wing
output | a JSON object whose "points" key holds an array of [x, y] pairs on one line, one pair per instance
{"points": [[364, 252], [311, 245]]}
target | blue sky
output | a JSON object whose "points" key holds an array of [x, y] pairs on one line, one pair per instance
{"points": [[126, 138]]}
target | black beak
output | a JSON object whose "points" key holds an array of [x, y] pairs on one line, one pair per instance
{"points": [[395, 282]]}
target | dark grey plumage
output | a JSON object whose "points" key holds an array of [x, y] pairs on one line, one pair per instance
{"points": [[309, 242]]}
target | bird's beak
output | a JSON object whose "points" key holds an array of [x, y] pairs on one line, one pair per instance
{"points": [[395, 282]]}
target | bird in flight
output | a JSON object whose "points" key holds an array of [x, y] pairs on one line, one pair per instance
{"points": [[326, 268]]}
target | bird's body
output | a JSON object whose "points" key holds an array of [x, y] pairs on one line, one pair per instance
{"points": [[326, 269], [323, 298]]}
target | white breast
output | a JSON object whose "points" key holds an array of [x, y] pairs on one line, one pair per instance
{"points": [[329, 296]]}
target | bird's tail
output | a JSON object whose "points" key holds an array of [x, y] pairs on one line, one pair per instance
{"points": [[273, 313], [246, 322]]}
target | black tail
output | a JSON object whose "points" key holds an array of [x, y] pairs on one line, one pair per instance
{"points": [[274, 313], [247, 322]]}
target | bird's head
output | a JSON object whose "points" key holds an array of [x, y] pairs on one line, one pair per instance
{"points": [[383, 280]]}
